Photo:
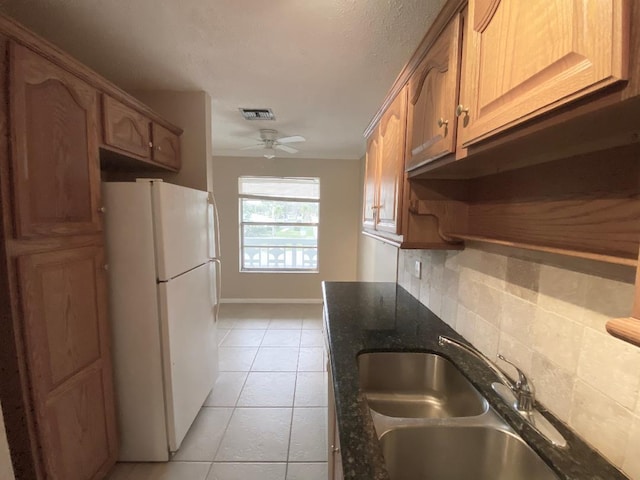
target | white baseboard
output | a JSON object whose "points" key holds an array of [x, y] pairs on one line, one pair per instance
{"points": [[272, 300]]}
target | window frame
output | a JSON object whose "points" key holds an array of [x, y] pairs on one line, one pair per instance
{"points": [[242, 224]]}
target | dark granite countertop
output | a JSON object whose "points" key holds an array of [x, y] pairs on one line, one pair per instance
{"points": [[364, 317]]}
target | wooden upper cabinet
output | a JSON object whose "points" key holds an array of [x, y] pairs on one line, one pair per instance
{"points": [[433, 93], [392, 131], [166, 147], [54, 141], [66, 332], [371, 181], [524, 58], [130, 132], [125, 129]]}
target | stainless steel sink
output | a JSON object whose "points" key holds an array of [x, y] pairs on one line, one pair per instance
{"points": [[460, 453], [417, 385], [434, 425]]}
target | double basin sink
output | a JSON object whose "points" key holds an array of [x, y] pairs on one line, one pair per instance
{"points": [[433, 424]]}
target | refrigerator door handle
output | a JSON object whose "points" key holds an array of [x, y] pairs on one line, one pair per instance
{"points": [[218, 285], [216, 224]]}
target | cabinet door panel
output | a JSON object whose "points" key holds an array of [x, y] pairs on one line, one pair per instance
{"points": [[392, 140], [54, 149], [433, 91], [370, 181], [166, 147], [76, 431], [334, 464], [63, 297], [124, 128], [526, 58]]}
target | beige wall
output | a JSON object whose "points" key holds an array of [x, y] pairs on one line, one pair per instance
{"points": [[548, 315], [338, 232], [192, 112], [377, 261], [6, 469]]}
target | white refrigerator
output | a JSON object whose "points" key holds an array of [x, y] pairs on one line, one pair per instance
{"points": [[164, 285]]}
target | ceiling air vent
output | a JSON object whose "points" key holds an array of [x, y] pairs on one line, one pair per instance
{"points": [[257, 114]]}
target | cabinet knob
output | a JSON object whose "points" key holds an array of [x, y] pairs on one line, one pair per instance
{"points": [[335, 449], [442, 122], [461, 109], [102, 209], [150, 144], [159, 148], [105, 266]]}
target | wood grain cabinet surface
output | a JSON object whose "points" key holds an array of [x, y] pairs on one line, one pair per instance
{"points": [[55, 159], [433, 94], [384, 175], [371, 174], [56, 373], [521, 131], [129, 132], [392, 131], [526, 58], [125, 129], [66, 334], [166, 147]]}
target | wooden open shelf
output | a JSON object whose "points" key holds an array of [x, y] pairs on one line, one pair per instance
{"points": [[628, 329], [586, 206], [541, 248]]}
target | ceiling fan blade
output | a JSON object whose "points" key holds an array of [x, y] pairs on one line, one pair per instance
{"points": [[285, 148], [253, 147], [293, 139]]}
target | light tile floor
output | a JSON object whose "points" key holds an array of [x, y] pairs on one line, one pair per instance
{"points": [[266, 418]]}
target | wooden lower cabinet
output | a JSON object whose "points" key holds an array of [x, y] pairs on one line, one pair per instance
{"points": [[334, 457], [66, 334]]}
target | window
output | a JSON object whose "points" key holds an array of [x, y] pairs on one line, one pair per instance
{"points": [[279, 223]]}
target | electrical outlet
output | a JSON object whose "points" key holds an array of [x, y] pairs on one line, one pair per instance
{"points": [[417, 269]]}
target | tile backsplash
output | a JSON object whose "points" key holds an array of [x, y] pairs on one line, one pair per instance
{"points": [[549, 318]]}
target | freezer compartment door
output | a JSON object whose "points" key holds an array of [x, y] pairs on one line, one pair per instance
{"points": [[181, 218], [190, 355]]}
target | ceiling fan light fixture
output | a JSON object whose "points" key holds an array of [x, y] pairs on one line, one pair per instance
{"points": [[269, 153], [270, 142]]}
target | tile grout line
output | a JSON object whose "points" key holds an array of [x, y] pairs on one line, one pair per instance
{"points": [[233, 411], [253, 364], [293, 406]]}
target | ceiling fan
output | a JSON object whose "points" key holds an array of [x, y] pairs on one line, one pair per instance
{"points": [[270, 142]]}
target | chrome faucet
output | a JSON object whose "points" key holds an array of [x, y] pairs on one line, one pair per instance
{"points": [[522, 388]]}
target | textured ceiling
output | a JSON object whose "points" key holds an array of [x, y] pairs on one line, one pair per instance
{"points": [[323, 66]]}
